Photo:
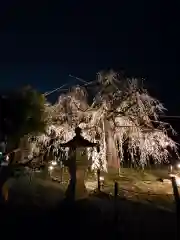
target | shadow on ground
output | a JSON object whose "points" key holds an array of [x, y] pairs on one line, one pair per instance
{"points": [[87, 219], [37, 210]]}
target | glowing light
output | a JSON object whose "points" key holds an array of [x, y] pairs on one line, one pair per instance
{"points": [[101, 178], [54, 163], [178, 165], [176, 178], [51, 168], [178, 181], [172, 175], [171, 168]]}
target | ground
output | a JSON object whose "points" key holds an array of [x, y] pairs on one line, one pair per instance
{"points": [[138, 186], [137, 215], [145, 187]]}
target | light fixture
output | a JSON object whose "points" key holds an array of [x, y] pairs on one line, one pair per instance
{"points": [[54, 163], [101, 178], [51, 168], [178, 165]]}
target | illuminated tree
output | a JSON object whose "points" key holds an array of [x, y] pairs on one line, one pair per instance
{"points": [[121, 112]]}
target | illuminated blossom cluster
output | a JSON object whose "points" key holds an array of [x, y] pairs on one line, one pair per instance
{"points": [[121, 112]]}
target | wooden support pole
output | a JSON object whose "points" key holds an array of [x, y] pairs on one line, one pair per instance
{"points": [[177, 200], [115, 189], [115, 205], [98, 180], [61, 167]]}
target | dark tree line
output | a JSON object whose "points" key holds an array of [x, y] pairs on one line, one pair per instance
{"points": [[21, 113]]}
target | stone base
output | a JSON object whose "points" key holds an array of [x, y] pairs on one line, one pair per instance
{"points": [[76, 189], [79, 193]]}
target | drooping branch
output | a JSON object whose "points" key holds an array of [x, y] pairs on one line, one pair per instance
{"points": [[131, 116]]}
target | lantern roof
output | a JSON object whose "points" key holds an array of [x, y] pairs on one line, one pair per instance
{"points": [[78, 141]]}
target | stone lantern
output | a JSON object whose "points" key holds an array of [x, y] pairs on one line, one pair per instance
{"points": [[77, 166]]}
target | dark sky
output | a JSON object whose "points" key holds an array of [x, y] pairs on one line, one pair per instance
{"points": [[41, 43]]}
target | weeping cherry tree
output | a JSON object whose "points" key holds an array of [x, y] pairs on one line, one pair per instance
{"points": [[121, 112]]}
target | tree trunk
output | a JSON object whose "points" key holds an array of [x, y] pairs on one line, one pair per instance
{"points": [[112, 154]]}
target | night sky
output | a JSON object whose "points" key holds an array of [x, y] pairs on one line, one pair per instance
{"points": [[41, 43]]}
